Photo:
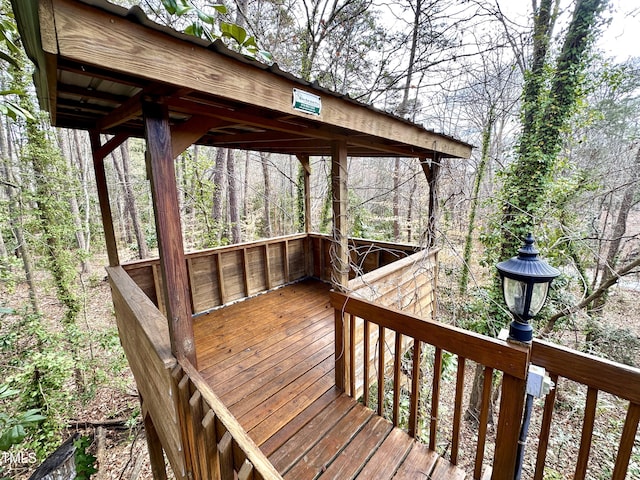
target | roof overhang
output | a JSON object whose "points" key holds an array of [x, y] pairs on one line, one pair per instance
{"points": [[95, 62]]}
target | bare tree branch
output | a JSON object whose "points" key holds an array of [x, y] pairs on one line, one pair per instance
{"points": [[601, 290]]}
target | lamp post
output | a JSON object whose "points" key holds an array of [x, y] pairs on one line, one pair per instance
{"points": [[525, 285]]}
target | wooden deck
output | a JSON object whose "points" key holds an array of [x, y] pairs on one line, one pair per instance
{"points": [[271, 361]]}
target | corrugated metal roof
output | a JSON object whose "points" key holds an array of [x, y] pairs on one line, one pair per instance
{"points": [[86, 93]]}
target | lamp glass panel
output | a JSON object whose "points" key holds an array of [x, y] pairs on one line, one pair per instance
{"points": [[514, 295], [538, 297]]}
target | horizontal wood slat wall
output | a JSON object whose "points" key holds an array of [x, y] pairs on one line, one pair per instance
{"points": [[225, 274], [145, 338], [365, 255], [208, 443]]}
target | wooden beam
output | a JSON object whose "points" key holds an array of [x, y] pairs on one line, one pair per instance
{"points": [[93, 36], [167, 213], [128, 110], [304, 160], [187, 133], [103, 199], [113, 143], [340, 258]]}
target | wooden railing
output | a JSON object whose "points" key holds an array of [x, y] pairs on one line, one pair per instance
{"points": [[408, 284], [225, 274], [496, 356], [144, 336], [216, 445], [183, 417], [598, 375], [365, 255]]}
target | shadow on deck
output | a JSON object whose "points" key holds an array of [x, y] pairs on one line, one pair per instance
{"points": [[271, 361]]}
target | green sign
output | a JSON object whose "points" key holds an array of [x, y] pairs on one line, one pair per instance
{"points": [[306, 102]]}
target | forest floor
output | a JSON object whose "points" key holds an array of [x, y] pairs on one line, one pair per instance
{"points": [[112, 418]]}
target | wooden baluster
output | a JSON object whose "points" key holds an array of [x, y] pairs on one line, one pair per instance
{"points": [[352, 355], [415, 390], [435, 398], [397, 361], [211, 445], [545, 430], [457, 411], [381, 335], [181, 390], [340, 350], [285, 254], [195, 414], [225, 449], [626, 442], [246, 471], [366, 361], [484, 418], [587, 433]]}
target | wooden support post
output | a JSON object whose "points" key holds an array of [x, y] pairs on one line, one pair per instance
{"points": [[340, 251], [99, 152], [431, 170], [167, 213], [156, 455], [304, 160]]}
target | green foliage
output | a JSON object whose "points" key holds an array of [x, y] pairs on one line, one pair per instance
{"points": [[13, 428], [10, 54], [85, 462], [203, 24]]}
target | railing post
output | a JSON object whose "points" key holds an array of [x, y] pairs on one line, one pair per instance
{"points": [[511, 408]]}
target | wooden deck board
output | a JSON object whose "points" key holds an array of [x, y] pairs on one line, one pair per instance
{"points": [[388, 458], [271, 361]]}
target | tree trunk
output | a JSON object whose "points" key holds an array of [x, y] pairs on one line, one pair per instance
{"points": [[218, 178], [619, 230], [15, 218], [245, 189], [65, 147], [234, 212], [266, 228], [431, 169], [412, 192], [86, 197], [396, 200], [475, 198], [130, 199]]}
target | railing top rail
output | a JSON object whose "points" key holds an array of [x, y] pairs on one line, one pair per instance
{"points": [[241, 437], [221, 249], [499, 355], [599, 373], [153, 323], [401, 245], [382, 272]]}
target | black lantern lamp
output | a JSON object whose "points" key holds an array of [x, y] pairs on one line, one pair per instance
{"points": [[525, 284]]}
